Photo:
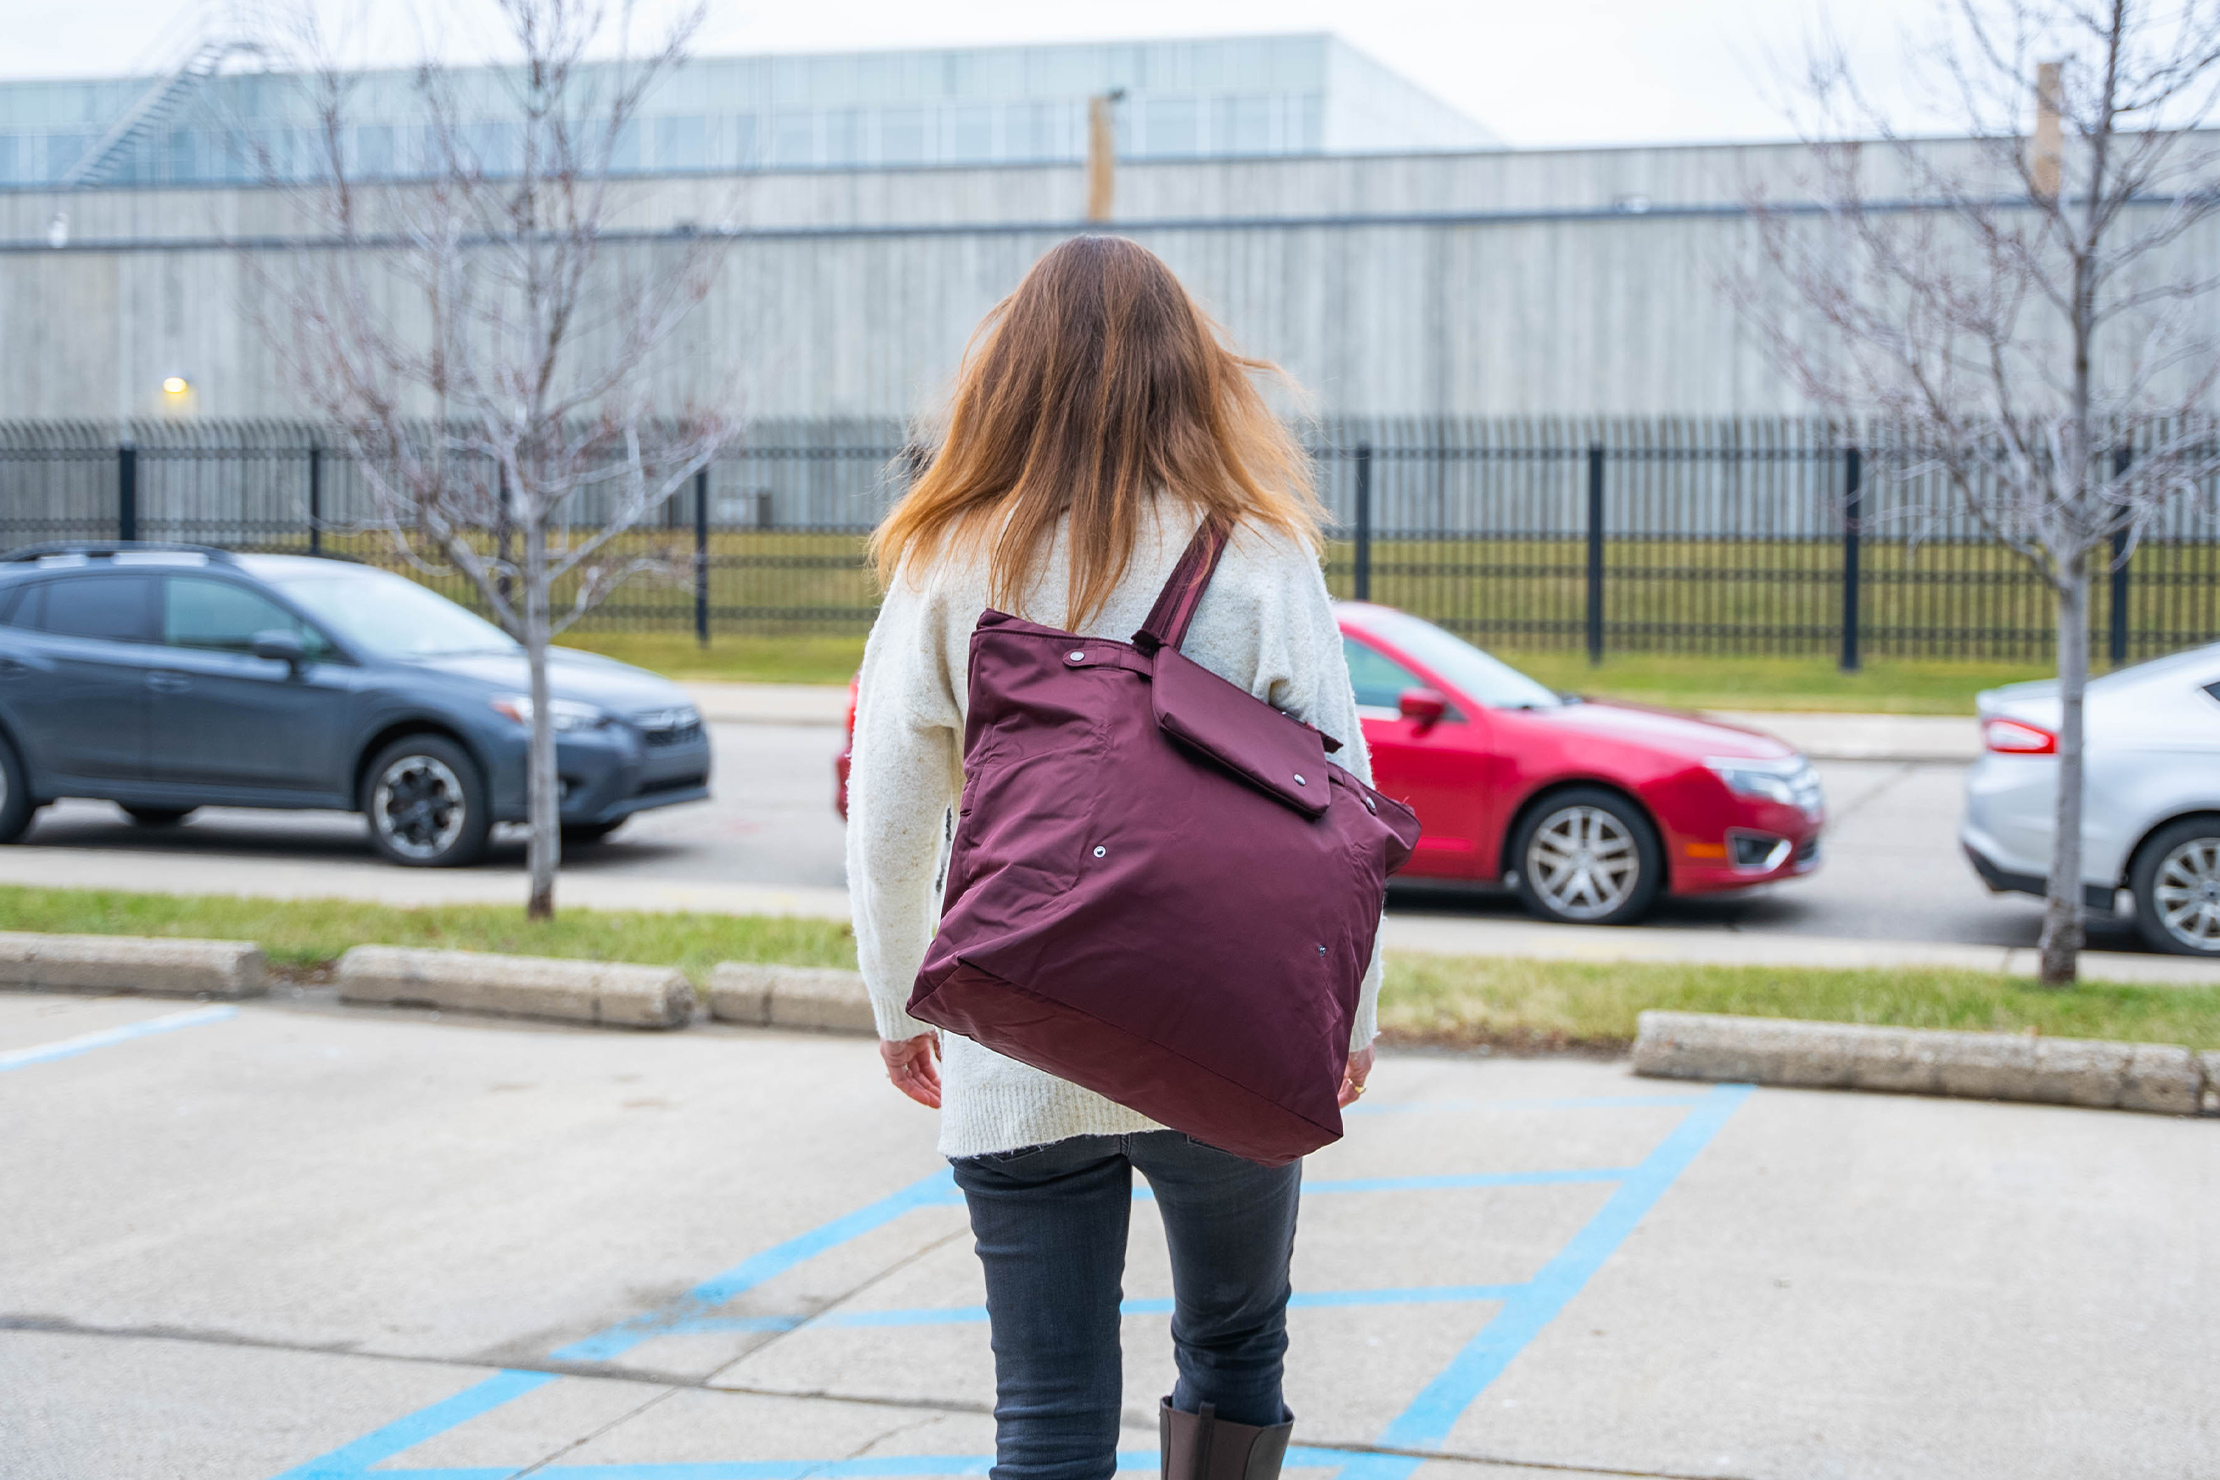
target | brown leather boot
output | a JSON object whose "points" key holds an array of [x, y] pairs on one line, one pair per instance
{"points": [[1203, 1446]]}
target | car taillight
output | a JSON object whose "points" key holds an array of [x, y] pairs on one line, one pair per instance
{"points": [[2017, 737]]}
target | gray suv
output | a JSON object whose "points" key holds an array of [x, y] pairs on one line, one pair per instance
{"points": [[165, 678]]}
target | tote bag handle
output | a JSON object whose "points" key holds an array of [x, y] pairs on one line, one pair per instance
{"points": [[1183, 589]]}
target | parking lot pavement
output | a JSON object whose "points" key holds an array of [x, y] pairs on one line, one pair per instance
{"points": [[770, 841], [294, 1241]]}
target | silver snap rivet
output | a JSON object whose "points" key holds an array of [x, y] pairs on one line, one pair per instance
{"points": [[1299, 781], [1075, 657], [1321, 950], [1100, 850]]}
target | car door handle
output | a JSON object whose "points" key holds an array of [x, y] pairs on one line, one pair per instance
{"points": [[163, 682]]}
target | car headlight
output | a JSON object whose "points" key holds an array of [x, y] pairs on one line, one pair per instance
{"points": [[1789, 781], [562, 714]]}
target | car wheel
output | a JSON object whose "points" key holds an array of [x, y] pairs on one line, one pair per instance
{"points": [[426, 803], [17, 807], [2176, 880], [585, 833], [158, 816], [1588, 857]]}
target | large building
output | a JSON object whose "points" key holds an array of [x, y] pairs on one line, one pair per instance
{"points": [[868, 209], [212, 118]]}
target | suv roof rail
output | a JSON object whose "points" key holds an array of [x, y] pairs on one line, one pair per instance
{"points": [[111, 548]]}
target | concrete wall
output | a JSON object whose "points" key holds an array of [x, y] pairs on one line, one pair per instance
{"points": [[1559, 282]]}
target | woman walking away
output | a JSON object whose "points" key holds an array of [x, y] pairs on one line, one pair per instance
{"points": [[1098, 423]]}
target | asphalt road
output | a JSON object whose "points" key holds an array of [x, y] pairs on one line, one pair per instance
{"points": [[1892, 871], [287, 1242]]}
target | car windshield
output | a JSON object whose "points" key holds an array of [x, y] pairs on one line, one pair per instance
{"points": [[391, 616], [1485, 680]]}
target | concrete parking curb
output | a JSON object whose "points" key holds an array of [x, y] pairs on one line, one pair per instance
{"points": [[599, 992], [765, 996], [2154, 1077], [124, 963]]}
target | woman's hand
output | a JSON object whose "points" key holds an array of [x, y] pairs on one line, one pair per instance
{"points": [[1352, 1082], [914, 1066]]}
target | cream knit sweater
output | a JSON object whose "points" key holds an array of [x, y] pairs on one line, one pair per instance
{"points": [[1266, 623]]}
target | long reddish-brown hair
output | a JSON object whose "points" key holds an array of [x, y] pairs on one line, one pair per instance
{"points": [[1095, 387]]}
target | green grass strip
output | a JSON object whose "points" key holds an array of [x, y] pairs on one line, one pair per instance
{"points": [[1531, 1005], [1458, 1001], [311, 932]]}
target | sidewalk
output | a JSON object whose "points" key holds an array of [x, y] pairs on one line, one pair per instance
{"points": [[1823, 737]]}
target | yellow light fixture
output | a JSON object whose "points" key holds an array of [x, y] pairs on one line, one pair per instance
{"points": [[174, 385]]}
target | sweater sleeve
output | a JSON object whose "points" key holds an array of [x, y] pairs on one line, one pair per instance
{"points": [[905, 772]]}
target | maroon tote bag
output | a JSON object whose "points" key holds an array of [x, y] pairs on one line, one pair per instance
{"points": [[1160, 888]]}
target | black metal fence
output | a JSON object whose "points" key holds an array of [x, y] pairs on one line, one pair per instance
{"points": [[1661, 534]]}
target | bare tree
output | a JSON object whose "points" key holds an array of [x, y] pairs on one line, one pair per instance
{"points": [[486, 348], [2017, 311]]}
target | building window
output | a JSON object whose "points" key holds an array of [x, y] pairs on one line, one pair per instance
{"points": [[902, 136], [1168, 126], [624, 148], [747, 147], [374, 152], [680, 143], [1244, 125], [793, 140], [62, 151], [844, 137], [972, 134]]}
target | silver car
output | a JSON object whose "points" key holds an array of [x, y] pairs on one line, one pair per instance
{"points": [[2151, 811]]}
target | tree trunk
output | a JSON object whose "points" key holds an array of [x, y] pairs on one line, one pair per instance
{"points": [[2062, 930], [543, 789]]}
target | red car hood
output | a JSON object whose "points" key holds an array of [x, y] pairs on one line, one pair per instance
{"points": [[1671, 730]]}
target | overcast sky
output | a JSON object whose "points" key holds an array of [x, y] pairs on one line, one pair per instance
{"points": [[1537, 72]]}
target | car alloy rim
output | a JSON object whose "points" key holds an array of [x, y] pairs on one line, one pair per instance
{"points": [[1583, 862], [418, 806], [2187, 893]]}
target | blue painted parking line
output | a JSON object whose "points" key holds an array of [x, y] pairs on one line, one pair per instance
{"points": [[957, 1315], [603, 1346], [69, 1048], [1524, 1312], [1431, 1415], [350, 1461]]}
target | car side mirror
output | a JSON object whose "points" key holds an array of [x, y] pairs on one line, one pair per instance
{"points": [[1422, 707], [281, 646]]}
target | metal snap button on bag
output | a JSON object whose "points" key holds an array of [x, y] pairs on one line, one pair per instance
{"points": [[1176, 984]]}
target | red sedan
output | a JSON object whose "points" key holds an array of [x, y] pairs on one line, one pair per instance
{"points": [[1589, 810]]}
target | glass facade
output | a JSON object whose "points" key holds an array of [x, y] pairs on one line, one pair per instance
{"points": [[1250, 96]]}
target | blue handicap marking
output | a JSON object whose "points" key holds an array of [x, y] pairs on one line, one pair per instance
{"points": [[1524, 1310]]}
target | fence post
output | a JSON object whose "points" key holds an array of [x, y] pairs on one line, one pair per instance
{"points": [[1595, 553], [315, 500], [701, 557], [127, 492], [1853, 543], [2116, 641], [1363, 585]]}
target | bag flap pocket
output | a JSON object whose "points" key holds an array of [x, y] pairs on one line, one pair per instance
{"points": [[1278, 755]]}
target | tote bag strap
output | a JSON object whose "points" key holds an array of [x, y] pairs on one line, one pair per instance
{"points": [[1183, 590]]}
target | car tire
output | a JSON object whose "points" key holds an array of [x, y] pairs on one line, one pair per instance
{"points": [[158, 816], [17, 805], [1608, 865], [586, 834], [2176, 881], [426, 803]]}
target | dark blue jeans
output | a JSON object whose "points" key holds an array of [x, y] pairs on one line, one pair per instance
{"points": [[1051, 1228]]}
